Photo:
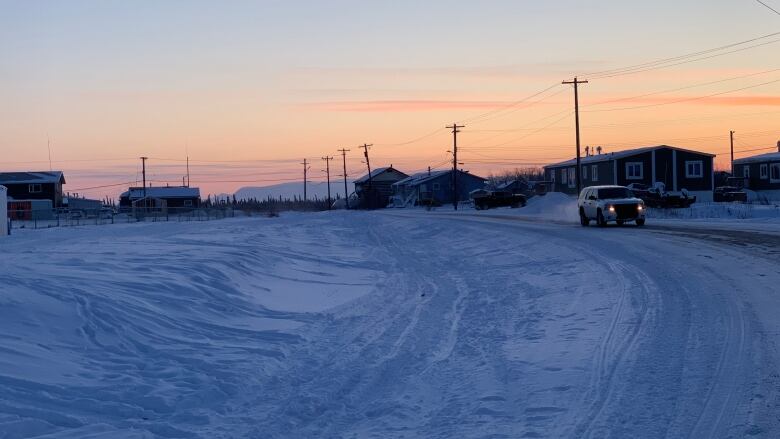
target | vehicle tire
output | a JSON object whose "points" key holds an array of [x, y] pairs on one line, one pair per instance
{"points": [[620, 222], [640, 222], [584, 221], [600, 220]]}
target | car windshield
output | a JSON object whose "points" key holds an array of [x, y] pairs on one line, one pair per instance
{"points": [[614, 192]]}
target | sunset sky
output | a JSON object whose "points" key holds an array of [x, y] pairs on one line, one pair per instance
{"points": [[248, 89]]}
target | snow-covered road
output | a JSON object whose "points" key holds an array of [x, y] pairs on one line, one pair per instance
{"points": [[390, 324]]}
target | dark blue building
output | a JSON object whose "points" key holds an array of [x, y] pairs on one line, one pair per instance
{"points": [[435, 188], [761, 174], [676, 168]]}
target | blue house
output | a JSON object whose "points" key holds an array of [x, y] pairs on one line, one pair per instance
{"points": [[434, 188], [676, 168], [761, 173]]}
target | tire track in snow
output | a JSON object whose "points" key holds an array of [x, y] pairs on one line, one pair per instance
{"points": [[721, 396], [616, 346], [455, 315]]}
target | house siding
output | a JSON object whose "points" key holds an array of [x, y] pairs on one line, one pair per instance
{"points": [[694, 184], [605, 176], [49, 191], [755, 182], [664, 168], [658, 165], [646, 159]]}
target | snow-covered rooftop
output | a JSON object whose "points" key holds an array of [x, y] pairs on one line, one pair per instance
{"points": [[374, 174], [31, 177], [770, 157], [162, 192], [420, 177], [620, 154]]}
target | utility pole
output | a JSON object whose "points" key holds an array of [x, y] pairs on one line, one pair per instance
{"points": [[188, 171], [305, 170], [365, 147], [143, 172], [731, 137], [576, 82], [327, 172], [344, 158], [455, 130]]}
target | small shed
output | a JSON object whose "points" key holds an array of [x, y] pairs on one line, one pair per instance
{"points": [[3, 211], [178, 198]]}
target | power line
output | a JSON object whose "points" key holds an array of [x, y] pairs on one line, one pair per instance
{"points": [[511, 105], [415, 140], [101, 187], [684, 100], [682, 88], [769, 7], [668, 62]]}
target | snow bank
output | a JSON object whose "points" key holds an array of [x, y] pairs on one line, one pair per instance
{"points": [[554, 205], [154, 329], [719, 211]]}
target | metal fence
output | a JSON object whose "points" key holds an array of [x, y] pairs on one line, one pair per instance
{"points": [[44, 219]]}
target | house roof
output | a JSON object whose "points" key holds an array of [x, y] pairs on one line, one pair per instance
{"points": [[510, 183], [772, 156], [621, 154], [137, 193], [375, 173], [32, 177], [422, 177]]}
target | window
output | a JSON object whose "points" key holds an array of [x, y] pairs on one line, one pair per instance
{"points": [[614, 193], [552, 175], [694, 169], [436, 186], [572, 178], [34, 188], [563, 176], [584, 172], [774, 173], [746, 171], [187, 203], [764, 171], [634, 171], [594, 172]]}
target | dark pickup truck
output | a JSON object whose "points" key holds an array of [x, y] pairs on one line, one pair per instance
{"points": [[729, 194], [491, 199], [659, 197]]}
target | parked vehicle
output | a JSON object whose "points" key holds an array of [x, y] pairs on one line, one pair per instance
{"points": [[729, 194], [491, 199], [658, 196], [610, 203]]}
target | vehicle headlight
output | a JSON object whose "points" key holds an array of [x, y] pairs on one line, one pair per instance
{"points": [[640, 208], [611, 209]]}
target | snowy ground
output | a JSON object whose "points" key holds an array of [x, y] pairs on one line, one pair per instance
{"points": [[390, 324]]}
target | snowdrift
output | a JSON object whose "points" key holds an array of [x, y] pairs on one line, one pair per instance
{"points": [[156, 328]]}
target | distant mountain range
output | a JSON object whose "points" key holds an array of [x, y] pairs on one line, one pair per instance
{"points": [[294, 189]]}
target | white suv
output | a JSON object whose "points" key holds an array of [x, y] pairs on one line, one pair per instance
{"points": [[610, 203]]}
